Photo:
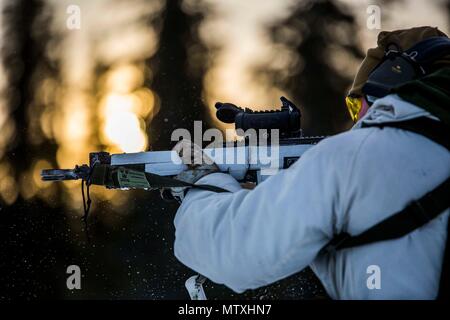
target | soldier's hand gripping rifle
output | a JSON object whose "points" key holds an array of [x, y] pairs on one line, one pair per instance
{"points": [[245, 161]]}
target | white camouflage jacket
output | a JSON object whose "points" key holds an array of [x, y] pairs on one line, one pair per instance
{"points": [[348, 182]]}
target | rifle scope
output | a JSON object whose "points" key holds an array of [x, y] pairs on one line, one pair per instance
{"points": [[287, 120]]}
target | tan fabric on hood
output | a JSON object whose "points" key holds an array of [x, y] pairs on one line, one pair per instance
{"points": [[404, 39]]}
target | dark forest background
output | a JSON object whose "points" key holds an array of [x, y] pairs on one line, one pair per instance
{"points": [[133, 258]]}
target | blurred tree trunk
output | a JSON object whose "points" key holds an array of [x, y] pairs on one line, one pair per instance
{"points": [[176, 81], [33, 236], [25, 60], [20, 58], [324, 29]]}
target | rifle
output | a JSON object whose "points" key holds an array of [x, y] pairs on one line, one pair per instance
{"points": [[245, 161]]}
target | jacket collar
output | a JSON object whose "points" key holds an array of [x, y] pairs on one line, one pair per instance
{"points": [[392, 108]]}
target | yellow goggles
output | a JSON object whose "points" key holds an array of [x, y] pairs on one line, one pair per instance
{"points": [[354, 105]]}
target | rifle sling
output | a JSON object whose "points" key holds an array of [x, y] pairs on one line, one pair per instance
{"points": [[168, 182]]}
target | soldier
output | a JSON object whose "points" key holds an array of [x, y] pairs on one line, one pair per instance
{"points": [[311, 213]]}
